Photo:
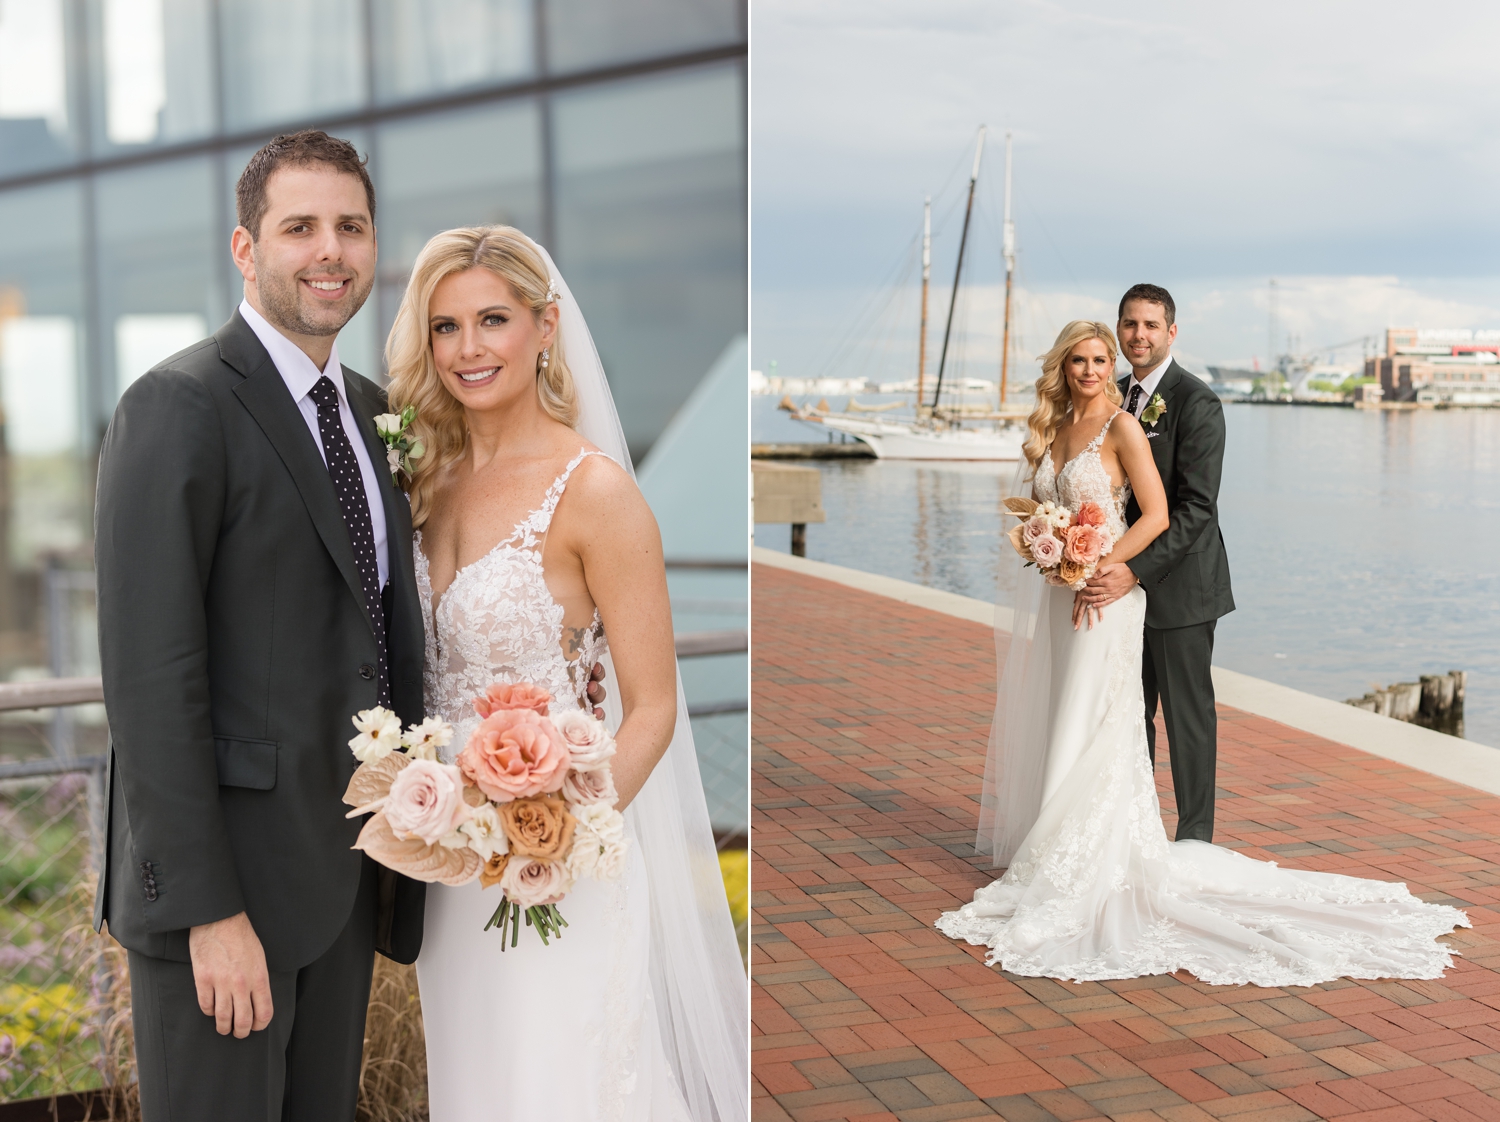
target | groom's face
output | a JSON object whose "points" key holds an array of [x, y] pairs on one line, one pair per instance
{"points": [[1145, 335], [312, 263]]}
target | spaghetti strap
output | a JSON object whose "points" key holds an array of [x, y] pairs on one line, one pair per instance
{"points": [[1098, 441]]}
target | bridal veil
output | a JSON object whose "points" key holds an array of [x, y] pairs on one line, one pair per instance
{"points": [[1015, 765], [698, 981]]}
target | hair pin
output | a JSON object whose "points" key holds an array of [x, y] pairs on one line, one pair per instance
{"points": [[553, 291]]}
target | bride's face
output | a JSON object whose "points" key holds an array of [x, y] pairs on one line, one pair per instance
{"points": [[485, 341], [1088, 369]]}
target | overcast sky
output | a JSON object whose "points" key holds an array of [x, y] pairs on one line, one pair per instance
{"points": [[1349, 149]]}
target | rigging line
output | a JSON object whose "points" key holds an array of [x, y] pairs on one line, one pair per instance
{"points": [[873, 306], [1036, 216]]}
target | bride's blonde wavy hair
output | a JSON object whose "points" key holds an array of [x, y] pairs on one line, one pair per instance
{"points": [[439, 424], [1053, 399]]}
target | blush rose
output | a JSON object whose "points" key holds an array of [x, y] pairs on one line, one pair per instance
{"points": [[589, 744], [1047, 551], [426, 801], [1090, 514], [515, 753], [529, 881], [1083, 544], [521, 695]]}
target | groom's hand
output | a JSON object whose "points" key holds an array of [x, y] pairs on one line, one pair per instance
{"points": [[1107, 585], [229, 967], [597, 693]]}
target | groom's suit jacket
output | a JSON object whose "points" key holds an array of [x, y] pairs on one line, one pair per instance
{"points": [[1185, 571], [236, 645]]}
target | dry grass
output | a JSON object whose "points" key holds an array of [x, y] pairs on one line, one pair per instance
{"points": [[393, 1076]]}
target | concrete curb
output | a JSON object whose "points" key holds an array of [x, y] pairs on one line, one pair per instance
{"points": [[1460, 761]]}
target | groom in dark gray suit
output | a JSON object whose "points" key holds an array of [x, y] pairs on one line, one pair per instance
{"points": [[1185, 571], [256, 589]]}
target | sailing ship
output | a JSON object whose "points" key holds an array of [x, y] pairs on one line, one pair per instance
{"points": [[938, 431]]}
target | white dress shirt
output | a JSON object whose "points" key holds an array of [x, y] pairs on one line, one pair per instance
{"points": [[300, 375], [1148, 386]]}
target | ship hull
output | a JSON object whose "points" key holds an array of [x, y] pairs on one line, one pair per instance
{"points": [[891, 440]]}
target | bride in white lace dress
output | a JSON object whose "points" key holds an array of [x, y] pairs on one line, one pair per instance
{"points": [[1094, 890], [533, 543]]}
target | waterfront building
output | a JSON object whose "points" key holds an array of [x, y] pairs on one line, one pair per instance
{"points": [[1457, 366]]}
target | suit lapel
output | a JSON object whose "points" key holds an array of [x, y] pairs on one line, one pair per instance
{"points": [[1166, 389], [265, 396]]}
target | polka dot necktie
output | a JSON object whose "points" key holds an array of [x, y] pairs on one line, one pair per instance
{"points": [[1135, 399], [350, 486]]}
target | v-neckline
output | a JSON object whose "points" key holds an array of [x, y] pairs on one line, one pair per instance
{"points": [[1057, 471], [438, 597]]}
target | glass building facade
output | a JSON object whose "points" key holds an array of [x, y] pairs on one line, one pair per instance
{"points": [[613, 131]]}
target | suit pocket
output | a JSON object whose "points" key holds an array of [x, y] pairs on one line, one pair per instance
{"points": [[245, 763]]}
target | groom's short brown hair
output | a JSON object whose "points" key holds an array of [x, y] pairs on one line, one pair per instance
{"points": [[295, 149], [1152, 294]]}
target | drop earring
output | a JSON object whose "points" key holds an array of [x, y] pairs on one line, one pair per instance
{"points": [[545, 353]]}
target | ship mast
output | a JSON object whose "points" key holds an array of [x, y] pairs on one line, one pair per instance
{"points": [[926, 275], [958, 269], [1009, 249]]}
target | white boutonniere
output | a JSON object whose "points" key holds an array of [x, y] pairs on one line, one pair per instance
{"points": [[1153, 411], [401, 448]]}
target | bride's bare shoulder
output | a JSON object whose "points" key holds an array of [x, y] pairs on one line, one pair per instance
{"points": [[605, 493]]}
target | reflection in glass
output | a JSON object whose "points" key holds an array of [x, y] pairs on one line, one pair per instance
{"points": [[587, 33], [157, 267], [469, 168], [33, 86], [428, 46], [44, 480], [650, 231], [158, 75], [290, 60]]}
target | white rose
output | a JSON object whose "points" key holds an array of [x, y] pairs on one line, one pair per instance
{"points": [[483, 833], [599, 842], [589, 744], [423, 741], [379, 734], [388, 424]]}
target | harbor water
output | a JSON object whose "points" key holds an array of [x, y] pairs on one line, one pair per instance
{"points": [[1364, 546]]}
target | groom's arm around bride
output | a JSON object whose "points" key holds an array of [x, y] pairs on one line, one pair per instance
{"points": [[1185, 571]]}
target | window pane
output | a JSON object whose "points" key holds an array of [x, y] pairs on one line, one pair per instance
{"points": [[586, 33], [424, 47], [160, 287], [651, 232], [44, 470], [289, 60], [469, 168], [157, 84], [34, 128]]}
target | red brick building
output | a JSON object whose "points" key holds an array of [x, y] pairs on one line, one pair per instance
{"points": [[1457, 366]]}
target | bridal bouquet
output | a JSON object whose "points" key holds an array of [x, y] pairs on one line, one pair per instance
{"points": [[529, 805], [1066, 545]]}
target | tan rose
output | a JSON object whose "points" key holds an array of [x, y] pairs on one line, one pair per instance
{"points": [[1071, 572], [493, 869], [538, 827]]}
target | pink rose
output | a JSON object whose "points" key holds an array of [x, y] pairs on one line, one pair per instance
{"points": [[589, 743], [521, 695], [1083, 544], [1035, 528], [515, 753], [583, 787], [529, 881], [426, 801], [1090, 514], [1046, 551]]}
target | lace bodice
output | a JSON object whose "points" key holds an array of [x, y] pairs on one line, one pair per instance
{"points": [[1085, 479], [498, 622]]}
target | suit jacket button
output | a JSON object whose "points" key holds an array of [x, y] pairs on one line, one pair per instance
{"points": [[367, 672]]}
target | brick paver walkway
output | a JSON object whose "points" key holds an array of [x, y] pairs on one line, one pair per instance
{"points": [[869, 725]]}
